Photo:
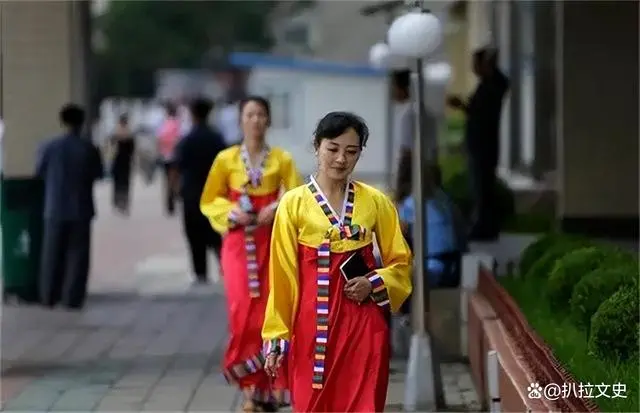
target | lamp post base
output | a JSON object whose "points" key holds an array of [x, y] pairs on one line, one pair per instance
{"points": [[419, 393]]}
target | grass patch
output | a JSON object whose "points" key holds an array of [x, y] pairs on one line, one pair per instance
{"points": [[569, 344]]}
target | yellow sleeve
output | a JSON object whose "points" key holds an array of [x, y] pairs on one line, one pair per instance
{"points": [[290, 175], [392, 283], [214, 203], [283, 280]]}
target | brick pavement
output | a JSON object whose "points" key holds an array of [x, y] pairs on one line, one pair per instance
{"points": [[147, 340]]}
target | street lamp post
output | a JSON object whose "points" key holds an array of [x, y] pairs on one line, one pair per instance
{"points": [[416, 35]]}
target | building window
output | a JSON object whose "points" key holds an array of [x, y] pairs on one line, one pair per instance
{"points": [[280, 109]]}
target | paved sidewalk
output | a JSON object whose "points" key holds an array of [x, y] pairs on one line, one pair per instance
{"points": [[130, 353], [147, 340], [123, 354]]}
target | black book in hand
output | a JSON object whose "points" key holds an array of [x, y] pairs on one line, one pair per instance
{"points": [[355, 266]]}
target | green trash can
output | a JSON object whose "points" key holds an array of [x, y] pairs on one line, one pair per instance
{"points": [[22, 226]]}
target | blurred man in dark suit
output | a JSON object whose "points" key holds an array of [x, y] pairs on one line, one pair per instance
{"points": [[69, 165], [193, 158], [482, 137]]}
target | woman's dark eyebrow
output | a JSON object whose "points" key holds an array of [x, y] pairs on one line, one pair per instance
{"points": [[333, 144]]}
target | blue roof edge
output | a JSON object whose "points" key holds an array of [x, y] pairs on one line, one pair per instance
{"points": [[255, 60]]}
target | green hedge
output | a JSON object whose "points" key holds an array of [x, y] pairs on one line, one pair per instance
{"points": [[536, 250], [569, 270], [542, 267], [582, 298], [615, 327], [569, 344], [595, 287]]}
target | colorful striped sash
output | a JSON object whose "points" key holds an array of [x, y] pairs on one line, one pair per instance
{"points": [[254, 175], [252, 261], [347, 231]]}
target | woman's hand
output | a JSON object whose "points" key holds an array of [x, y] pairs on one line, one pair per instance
{"points": [[358, 289], [241, 218], [266, 216], [272, 363]]}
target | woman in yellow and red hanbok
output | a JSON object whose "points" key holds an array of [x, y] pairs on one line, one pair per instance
{"points": [[334, 333], [240, 198]]}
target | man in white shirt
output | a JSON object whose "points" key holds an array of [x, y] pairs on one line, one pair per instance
{"points": [[405, 128], [185, 119], [228, 122]]}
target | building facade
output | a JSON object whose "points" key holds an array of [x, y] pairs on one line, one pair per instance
{"points": [[44, 54], [572, 112], [328, 30]]}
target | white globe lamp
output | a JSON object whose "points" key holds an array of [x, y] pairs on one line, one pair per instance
{"points": [[437, 73], [379, 55], [415, 35]]}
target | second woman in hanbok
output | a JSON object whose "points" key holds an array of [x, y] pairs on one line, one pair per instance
{"points": [[240, 199], [330, 319]]}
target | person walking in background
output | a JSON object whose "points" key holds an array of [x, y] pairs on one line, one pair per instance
{"points": [[194, 156], [329, 303], [405, 132], [124, 144], [184, 115], [228, 121], [240, 198], [69, 165], [168, 137], [228, 118], [482, 135]]}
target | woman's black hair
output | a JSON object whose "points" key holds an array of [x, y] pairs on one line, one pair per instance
{"points": [[264, 102], [334, 124]]}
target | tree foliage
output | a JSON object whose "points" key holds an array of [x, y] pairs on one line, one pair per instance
{"points": [[143, 36]]}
